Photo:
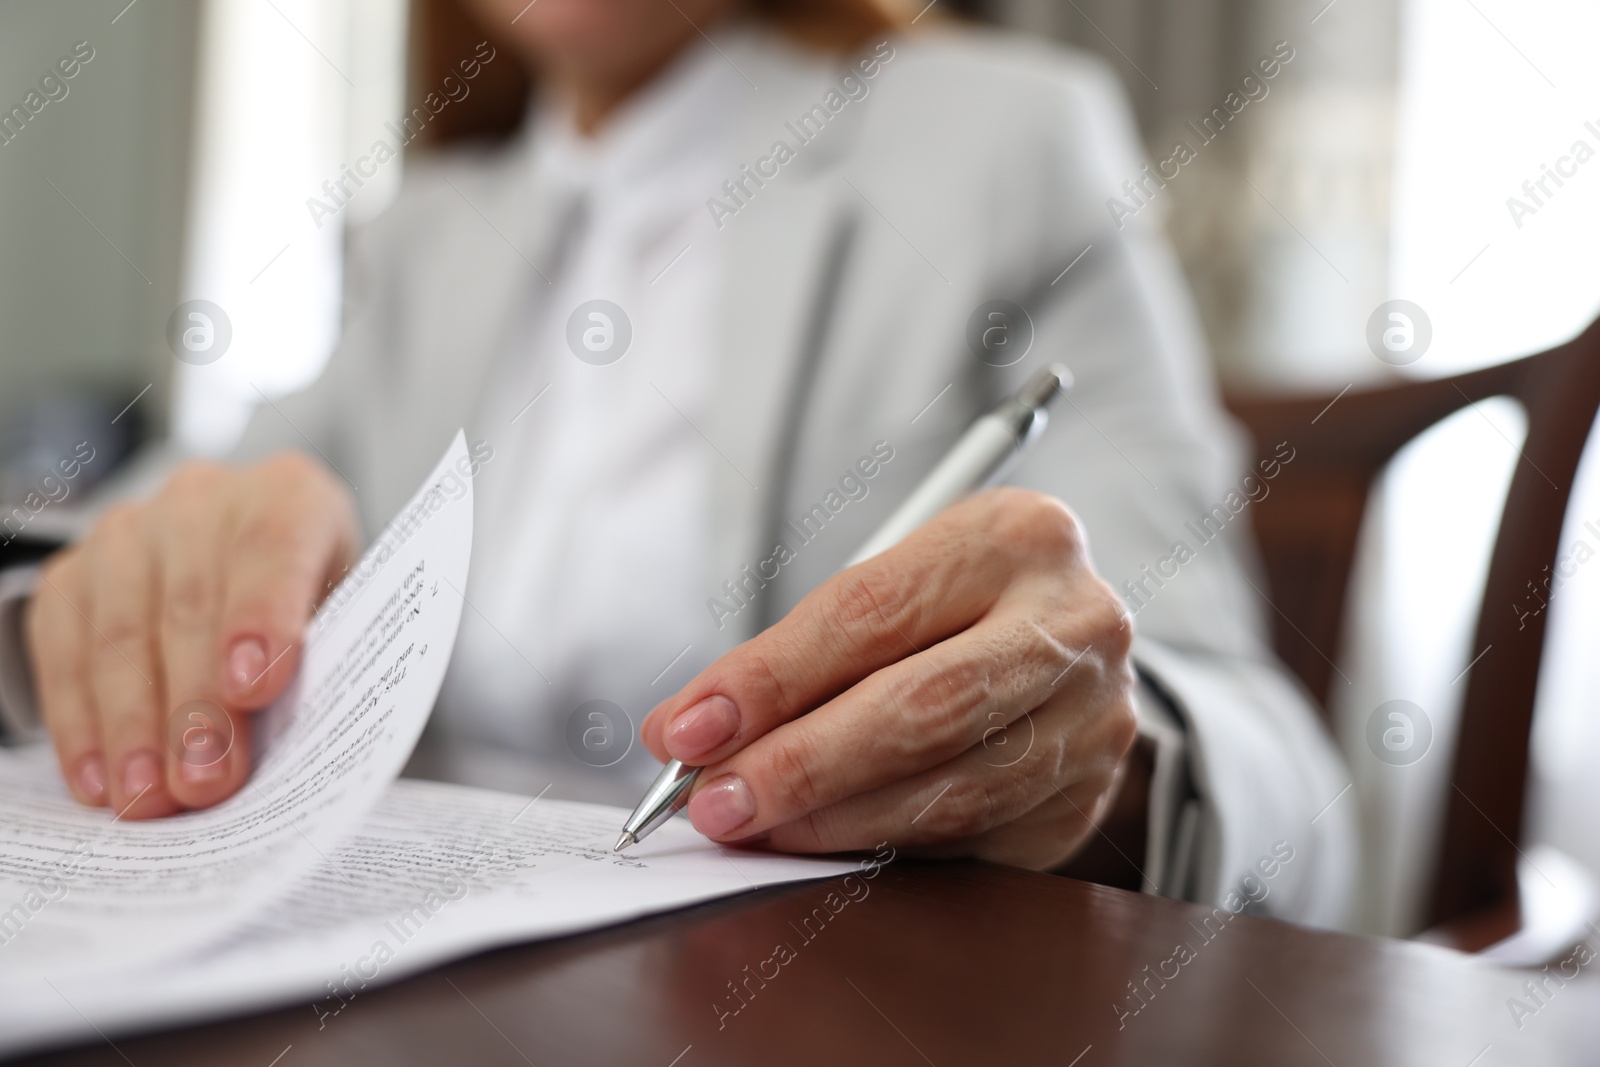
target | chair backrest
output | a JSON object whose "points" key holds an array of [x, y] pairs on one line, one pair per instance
{"points": [[1308, 527]]}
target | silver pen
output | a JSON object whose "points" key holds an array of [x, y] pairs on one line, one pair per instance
{"points": [[983, 455]]}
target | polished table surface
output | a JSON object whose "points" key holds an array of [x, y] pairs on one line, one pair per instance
{"points": [[943, 964]]}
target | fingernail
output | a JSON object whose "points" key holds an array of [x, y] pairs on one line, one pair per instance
{"points": [[702, 728], [722, 807], [92, 779], [205, 756], [141, 772], [247, 661]]}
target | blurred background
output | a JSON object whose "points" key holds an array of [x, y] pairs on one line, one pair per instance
{"points": [[179, 161]]}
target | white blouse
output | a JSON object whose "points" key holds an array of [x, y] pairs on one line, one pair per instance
{"points": [[589, 566]]}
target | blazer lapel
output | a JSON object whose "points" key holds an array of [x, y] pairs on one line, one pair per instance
{"points": [[777, 300], [498, 259]]}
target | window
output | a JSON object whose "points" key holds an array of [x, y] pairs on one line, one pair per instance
{"points": [[287, 89]]}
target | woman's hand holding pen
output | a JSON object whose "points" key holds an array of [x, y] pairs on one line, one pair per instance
{"points": [[968, 692]]}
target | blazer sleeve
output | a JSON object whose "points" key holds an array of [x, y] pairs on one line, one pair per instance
{"points": [[1142, 452]]}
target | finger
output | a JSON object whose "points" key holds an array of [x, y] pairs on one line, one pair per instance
{"points": [[934, 584], [1045, 836], [205, 755], [208, 752], [292, 537], [971, 805], [907, 718], [56, 634], [124, 678]]}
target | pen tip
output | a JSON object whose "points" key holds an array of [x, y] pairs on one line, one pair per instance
{"points": [[624, 841]]}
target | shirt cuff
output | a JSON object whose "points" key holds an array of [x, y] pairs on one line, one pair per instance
{"points": [[1172, 806], [19, 710]]}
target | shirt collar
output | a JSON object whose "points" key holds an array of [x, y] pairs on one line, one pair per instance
{"points": [[680, 118]]}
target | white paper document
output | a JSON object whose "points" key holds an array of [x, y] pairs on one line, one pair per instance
{"points": [[324, 875]]}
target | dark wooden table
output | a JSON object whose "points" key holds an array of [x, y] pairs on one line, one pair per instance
{"points": [[944, 964]]}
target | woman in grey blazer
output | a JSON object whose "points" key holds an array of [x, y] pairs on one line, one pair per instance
{"points": [[744, 275]]}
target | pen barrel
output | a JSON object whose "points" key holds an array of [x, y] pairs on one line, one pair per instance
{"points": [[983, 455], [667, 794]]}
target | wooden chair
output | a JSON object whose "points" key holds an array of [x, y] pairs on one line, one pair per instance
{"points": [[1308, 526]]}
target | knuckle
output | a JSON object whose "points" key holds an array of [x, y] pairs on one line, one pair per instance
{"points": [[1088, 622], [289, 466], [193, 481], [1051, 754], [1108, 622], [296, 476], [871, 607], [761, 678], [114, 672], [119, 523], [935, 708], [268, 532], [965, 810], [1033, 524], [108, 667], [294, 497], [189, 598], [1040, 639], [794, 788], [120, 629]]}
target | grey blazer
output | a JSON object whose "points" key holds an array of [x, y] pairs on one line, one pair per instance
{"points": [[976, 168]]}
